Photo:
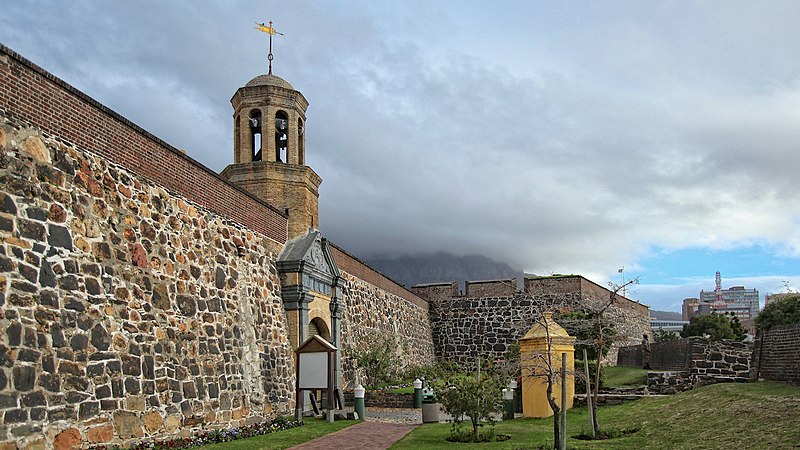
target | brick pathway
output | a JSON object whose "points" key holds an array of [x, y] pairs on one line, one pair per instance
{"points": [[366, 435]]}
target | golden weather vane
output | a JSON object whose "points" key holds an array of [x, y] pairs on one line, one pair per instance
{"points": [[271, 32]]}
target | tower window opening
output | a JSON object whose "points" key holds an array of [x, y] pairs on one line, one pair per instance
{"points": [[301, 148], [236, 140], [281, 137], [255, 133]]}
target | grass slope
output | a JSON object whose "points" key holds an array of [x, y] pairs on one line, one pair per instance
{"points": [[722, 416], [619, 376]]}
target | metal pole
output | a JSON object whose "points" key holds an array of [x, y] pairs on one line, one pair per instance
{"points": [[589, 403], [563, 432]]}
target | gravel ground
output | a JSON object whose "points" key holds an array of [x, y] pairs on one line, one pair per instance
{"points": [[399, 415]]}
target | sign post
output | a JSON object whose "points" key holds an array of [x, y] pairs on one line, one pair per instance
{"points": [[315, 370]]}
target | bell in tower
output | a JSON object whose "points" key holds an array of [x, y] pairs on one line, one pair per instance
{"points": [[269, 150]]}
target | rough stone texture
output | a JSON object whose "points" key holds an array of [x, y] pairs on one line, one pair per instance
{"points": [[777, 354], [371, 313], [67, 439], [380, 399], [465, 327], [705, 362], [669, 356], [111, 309]]}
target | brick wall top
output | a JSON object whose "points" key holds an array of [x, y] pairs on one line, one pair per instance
{"points": [[32, 94], [586, 287], [436, 291], [491, 288], [354, 266]]}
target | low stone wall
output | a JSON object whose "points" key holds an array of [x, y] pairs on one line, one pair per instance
{"points": [[669, 382], [708, 362], [777, 354], [381, 399], [720, 361], [671, 355]]}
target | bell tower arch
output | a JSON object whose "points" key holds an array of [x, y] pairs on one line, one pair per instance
{"points": [[269, 158]]}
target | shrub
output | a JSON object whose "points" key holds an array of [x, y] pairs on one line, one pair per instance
{"points": [[463, 395], [717, 326], [379, 360], [785, 311], [580, 380]]}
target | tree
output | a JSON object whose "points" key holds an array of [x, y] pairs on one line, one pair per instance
{"points": [[785, 311], [661, 335], [379, 360], [474, 396], [717, 326]]}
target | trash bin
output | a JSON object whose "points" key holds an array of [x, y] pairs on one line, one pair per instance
{"points": [[430, 409]]}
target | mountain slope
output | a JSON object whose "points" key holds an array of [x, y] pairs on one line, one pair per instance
{"points": [[441, 267]]}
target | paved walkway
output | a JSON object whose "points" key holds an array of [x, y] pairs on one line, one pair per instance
{"points": [[366, 435]]}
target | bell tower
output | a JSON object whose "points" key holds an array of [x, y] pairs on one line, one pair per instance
{"points": [[269, 119]]}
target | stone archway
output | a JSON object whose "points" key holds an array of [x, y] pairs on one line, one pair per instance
{"points": [[318, 327]]}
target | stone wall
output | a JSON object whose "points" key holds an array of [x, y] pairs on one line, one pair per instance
{"points": [[465, 326], [380, 399], [128, 311], [670, 355], [724, 360], [777, 354], [371, 314]]}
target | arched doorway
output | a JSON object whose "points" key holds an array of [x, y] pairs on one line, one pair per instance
{"points": [[318, 327]]}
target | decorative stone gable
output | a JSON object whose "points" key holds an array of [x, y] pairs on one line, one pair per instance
{"points": [[309, 287]]}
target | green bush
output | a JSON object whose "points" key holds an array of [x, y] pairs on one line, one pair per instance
{"points": [[785, 311], [466, 395], [379, 360], [717, 326], [580, 376]]}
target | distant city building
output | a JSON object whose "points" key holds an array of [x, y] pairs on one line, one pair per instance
{"points": [[689, 308], [737, 300], [674, 326]]}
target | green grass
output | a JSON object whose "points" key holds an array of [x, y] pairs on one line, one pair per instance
{"points": [[403, 390], [312, 429], [723, 416], [619, 376]]}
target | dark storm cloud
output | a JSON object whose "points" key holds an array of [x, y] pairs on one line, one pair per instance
{"points": [[554, 149]]}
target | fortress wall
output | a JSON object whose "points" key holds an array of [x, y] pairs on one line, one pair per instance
{"points": [[467, 326], [491, 288], [436, 291], [376, 308], [37, 97], [127, 310], [371, 315]]}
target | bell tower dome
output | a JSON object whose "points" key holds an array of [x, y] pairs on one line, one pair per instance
{"points": [[269, 160]]}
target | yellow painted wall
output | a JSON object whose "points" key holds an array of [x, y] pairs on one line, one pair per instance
{"points": [[533, 356]]}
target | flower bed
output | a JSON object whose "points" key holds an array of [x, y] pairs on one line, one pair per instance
{"points": [[213, 436]]}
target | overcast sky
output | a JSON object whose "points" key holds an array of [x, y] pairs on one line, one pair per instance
{"points": [[559, 137]]}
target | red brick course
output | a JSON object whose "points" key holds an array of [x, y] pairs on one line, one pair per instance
{"points": [[357, 268], [30, 93]]}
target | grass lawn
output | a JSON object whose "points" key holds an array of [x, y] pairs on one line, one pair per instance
{"points": [[724, 416], [618, 376], [312, 429], [402, 390]]}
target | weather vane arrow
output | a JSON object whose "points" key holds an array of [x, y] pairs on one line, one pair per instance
{"points": [[271, 32]]}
